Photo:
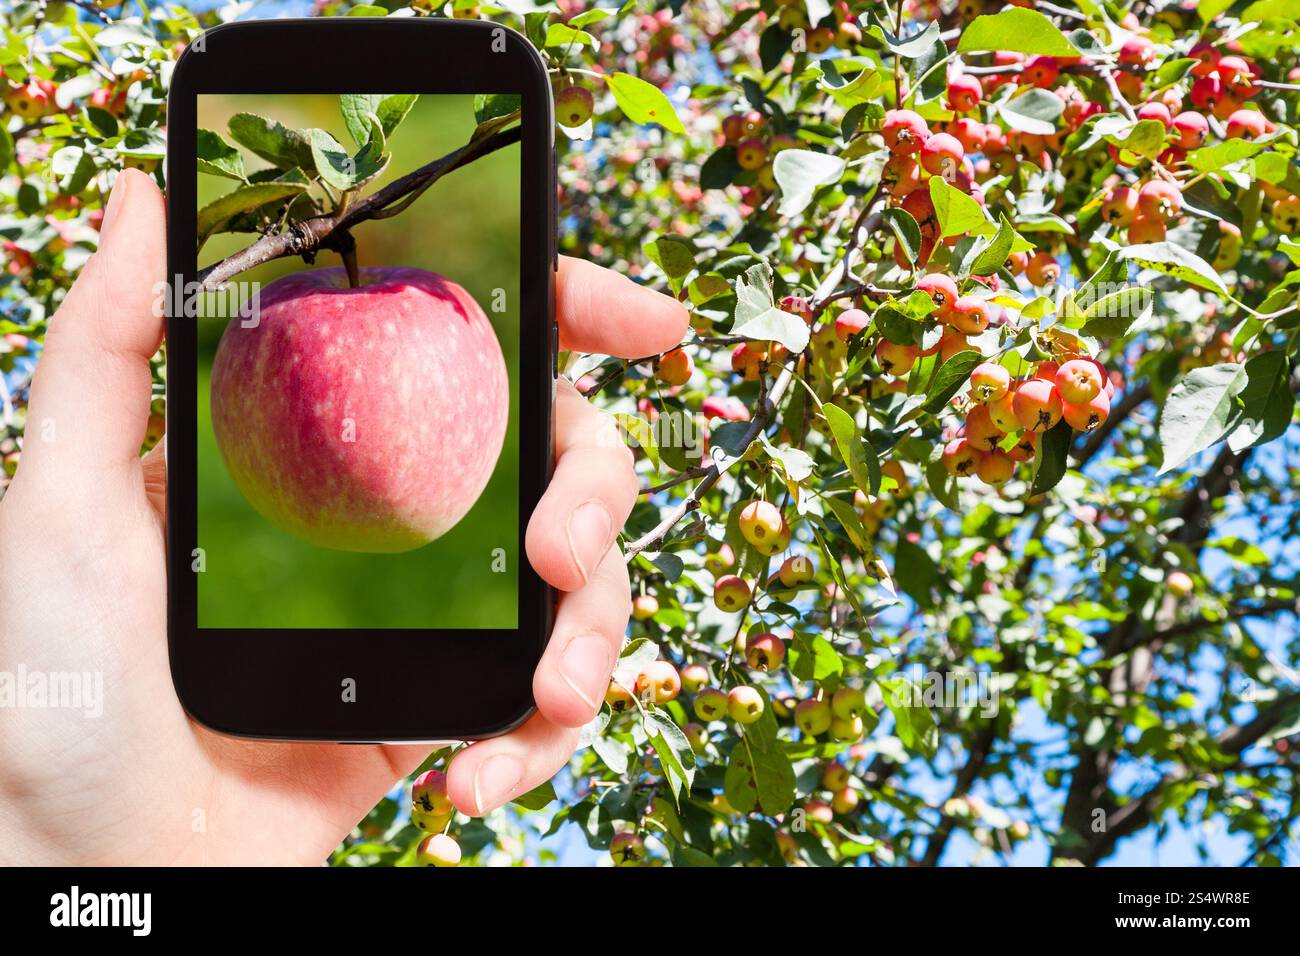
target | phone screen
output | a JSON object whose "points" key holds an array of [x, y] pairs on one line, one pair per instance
{"points": [[357, 415]]}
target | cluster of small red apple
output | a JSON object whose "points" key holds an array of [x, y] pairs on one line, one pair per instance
{"points": [[29, 99], [839, 29], [750, 134], [1006, 416], [431, 811]]}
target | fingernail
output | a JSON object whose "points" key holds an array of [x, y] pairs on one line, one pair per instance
{"points": [[116, 199], [590, 528], [495, 781], [583, 656]]}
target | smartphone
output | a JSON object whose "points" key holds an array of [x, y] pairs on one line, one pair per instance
{"points": [[360, 370]]}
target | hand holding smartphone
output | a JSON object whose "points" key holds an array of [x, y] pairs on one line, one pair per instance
{"points": [[360, 378]]}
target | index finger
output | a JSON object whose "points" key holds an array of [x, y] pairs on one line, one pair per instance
{"points": [[603, 312]]}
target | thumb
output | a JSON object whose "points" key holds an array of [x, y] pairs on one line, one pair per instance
{"points": [[89, 405]]}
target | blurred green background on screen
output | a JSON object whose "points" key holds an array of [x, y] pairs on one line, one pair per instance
{"points": [[465, 227]]}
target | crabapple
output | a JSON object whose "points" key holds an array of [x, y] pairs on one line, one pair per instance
{"points": [[1179, 583], [798, 305], [429, 793], [848, 702], [1078, 380], [847, 728], [1002, 412], [892, 469], [744, 704], [721, 560], [764, 527], [751, 154], [765, 652], [1086, 416], [813, 716], [969, 132], [753, 122], [1156, 111], [960, 457], [941, 155], [819, 811], [964, 93], [1158, 198], [627, 849], [845, 801], [697, 735], [1192, 129], [989, 381], [952, 343], [438, 849], [1046, 371], [980, 430], [1120, 206], [574, 105], [1285, 215], [1246, 124], [644, 607], [1146, 229], [996, 468], [1037, 405], [1206, 92], [797, 570], [1040, 71], [1137, 51], [659, 682], [835, 776], [28, 101], [710, 704], [694, 677], [1236, 75], [904, 131], [895, 359], [675, 368], [618, 697], [940, 288], [850, 322], [730, 593], [820, 40], [733, 127], [1023, 449], [969, 315], [1043, 269]]}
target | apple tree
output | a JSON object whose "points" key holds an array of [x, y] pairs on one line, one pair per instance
{"points": [[969, 512]]}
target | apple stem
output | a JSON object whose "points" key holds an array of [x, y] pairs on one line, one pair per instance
{"points": [[348, 250]]}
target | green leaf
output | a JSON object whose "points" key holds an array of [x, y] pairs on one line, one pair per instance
{"points": [[1197, 411], [1243, 551], [1051, 458], [814, 658], [1176, 261], [215, 215], [1018, 30], [644, 103], [1211, 159], [1033, 111], [958, 213], [674, 256], [915, 572], [952, 375], [367, 10], [1144, 138], [1267, 401], [857, 453], [536, 798], [905, 230], [763, 779], [346, 172], [757, 316], [673, 750], [390, 109], [275, 143], [995, 254], [799, 173], [564, 35], [1113, 314], [1262, 10], [216, 157]]}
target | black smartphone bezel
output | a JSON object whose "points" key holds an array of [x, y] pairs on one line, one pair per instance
{"points": [[410, 685]]}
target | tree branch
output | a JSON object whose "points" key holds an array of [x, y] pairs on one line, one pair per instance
{"points": [[320, 232]]}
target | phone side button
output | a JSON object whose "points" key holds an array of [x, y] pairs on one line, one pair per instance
{"points": [[555, 350]]}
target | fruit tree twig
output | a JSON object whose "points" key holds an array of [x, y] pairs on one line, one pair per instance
{"points": [[316, 233]]}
